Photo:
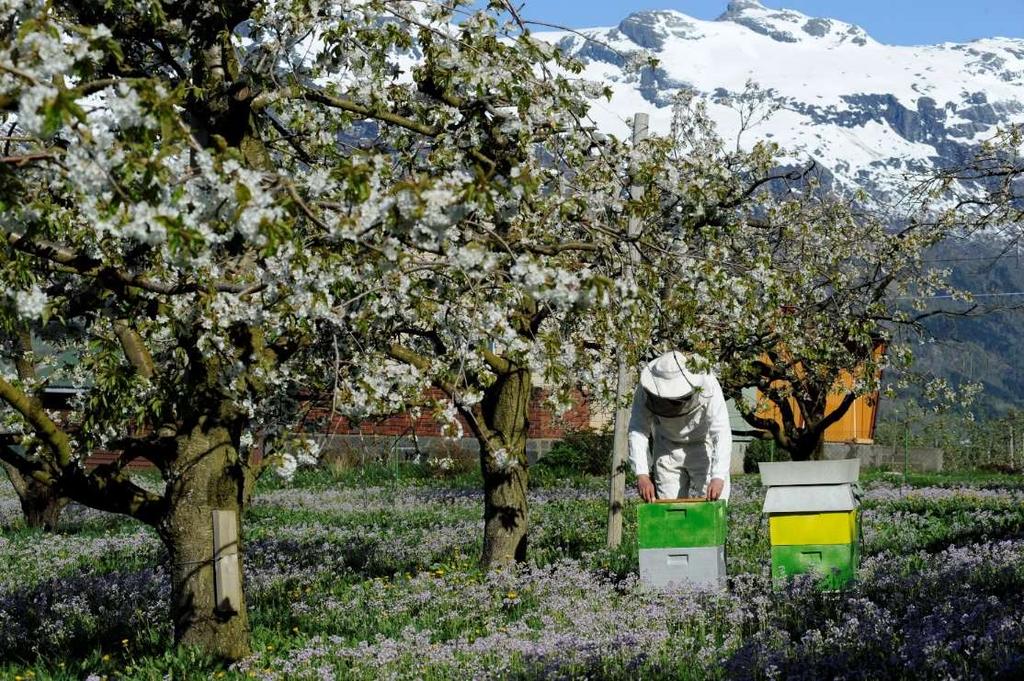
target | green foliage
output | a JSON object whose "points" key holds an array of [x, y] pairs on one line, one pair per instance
{"points": [[370, 474], [580, 452], [762, 450], [994, 443]]}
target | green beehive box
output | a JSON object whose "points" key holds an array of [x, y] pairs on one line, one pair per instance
{"points": [[836, 564], [667, 525]]}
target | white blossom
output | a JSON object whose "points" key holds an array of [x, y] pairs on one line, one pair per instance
{"points": [[31, 303]]}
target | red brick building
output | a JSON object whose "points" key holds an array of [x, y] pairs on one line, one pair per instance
{"points": [[412, 436]]}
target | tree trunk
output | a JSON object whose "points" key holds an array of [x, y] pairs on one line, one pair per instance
{"points": [[41, 504], [818, 451], [800, 448], [503, 462], [505, 517], [206, 475]]}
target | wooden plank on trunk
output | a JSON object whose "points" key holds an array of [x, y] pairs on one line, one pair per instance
{"points": [[227, 580]]}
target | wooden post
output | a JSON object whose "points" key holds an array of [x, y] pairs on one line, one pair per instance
{"points": [[227, 581], [1012, 449], [617, 481]]}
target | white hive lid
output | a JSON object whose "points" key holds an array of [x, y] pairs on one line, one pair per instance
{"points": [[809, 472], [809, 499]]}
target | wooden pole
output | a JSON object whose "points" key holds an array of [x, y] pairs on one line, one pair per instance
{"points": [[617, 480], [1012, 450]]}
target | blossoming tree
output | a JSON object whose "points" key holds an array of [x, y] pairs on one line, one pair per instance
{"points": [[509, 263], [807, 284], [206, 207]]}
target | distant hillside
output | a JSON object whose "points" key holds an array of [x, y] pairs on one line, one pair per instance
{"points": [[988, 348]]}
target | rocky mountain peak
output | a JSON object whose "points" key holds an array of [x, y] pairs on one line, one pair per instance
{"points": [[866, 112], [790, 26], [739, 6], [652, 28]]}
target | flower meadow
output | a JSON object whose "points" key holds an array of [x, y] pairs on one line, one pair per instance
{"points": [[348, 580]]}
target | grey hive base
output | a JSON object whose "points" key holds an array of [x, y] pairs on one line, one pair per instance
{"points": [[701, 565]]}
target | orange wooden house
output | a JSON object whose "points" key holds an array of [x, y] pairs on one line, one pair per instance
{"points": [[857, 425]]}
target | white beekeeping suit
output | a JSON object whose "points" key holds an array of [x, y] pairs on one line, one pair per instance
{"points": [[680, 418]]}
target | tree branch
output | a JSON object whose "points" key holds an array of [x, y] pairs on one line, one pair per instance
{"points": [[564, 247], [367, 112], [950, 313], [32, 411], [409, 356], [432, 336], [770, 426], [377, 114], [760, 433], [106, 488], [135, 349], [113, 278], [28, 469], [499, 364], [15, 476], [793, 175], [832, 417], [22, 159]]}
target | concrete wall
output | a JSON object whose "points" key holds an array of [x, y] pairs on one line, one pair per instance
{"points": [[407, 448], [739, 452]]}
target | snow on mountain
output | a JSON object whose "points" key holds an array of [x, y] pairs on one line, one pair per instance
{"points": [[867, 112]]}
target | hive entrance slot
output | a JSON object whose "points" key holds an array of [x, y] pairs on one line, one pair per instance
{"points": [[678, 559]]}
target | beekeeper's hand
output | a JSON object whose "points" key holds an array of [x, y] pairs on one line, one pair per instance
{"points": [[715, 488], [645, 487]]}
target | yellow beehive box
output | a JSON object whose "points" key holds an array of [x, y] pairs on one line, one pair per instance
{"points": [[787, 529]]}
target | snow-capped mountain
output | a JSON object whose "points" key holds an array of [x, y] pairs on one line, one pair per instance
{"points": [[867, 112]]}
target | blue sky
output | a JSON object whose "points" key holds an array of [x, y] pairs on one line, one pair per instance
{"points": [[899, 22]]}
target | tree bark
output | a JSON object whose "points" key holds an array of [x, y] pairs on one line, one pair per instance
{"points": [[818, 452], [505, 517], [206, 475], [41, 504], [804, 444], [504, 411], [805, 449]]}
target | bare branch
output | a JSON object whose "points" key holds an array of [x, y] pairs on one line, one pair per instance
{"points": [[23, 159]]}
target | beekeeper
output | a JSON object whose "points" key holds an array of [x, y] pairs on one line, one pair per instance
{"points": [[679, 418]]}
